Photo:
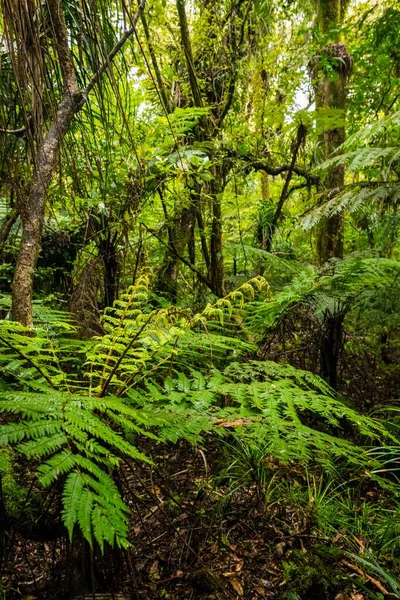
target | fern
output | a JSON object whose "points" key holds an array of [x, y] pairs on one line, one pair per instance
{"points": [[368, 152], [75, 425], [356, 280], [165, 374], [275, 402]]}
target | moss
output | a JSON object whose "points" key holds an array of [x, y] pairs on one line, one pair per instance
{"points": [[172, 506], [16, 501], [205, 582], [13, 496], [314, 575]]}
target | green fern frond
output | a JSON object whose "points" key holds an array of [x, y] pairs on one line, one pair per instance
{"points": [[59, 464]]}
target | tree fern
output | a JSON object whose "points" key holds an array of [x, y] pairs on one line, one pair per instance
{"points": [[373, 151], [276, 404], [77, 425], [165, 374], [356, 280]]}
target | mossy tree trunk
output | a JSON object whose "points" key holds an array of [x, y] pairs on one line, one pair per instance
{"points": [[330, 73]]}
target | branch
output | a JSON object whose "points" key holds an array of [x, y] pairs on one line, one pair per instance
{"points": [[187, 48], [172, 249], [260, 165], [301, 134], [18, 132], [60, 33], [232, 82], [160, 83]]}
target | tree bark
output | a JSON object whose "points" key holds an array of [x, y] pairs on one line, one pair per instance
{"points": [[33, 211], [46, 162], [330, 94]]}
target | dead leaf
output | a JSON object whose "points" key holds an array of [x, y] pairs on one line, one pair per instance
{"points": [[154, 574], [235, 423], [280, 549], [214, 548], [237, 586], [239, 565]]}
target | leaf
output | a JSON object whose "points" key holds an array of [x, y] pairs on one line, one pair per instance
{"points": [[237, 586], [235, 423]]}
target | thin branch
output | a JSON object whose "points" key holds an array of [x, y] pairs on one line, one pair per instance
{"points": [[18, 132], [301, 134], [260, 165], [160, 83], [187, 48], [121, 42], [203, 241], [172, 249]]}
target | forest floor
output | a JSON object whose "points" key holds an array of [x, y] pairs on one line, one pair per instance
{"points": [[198, 534]]}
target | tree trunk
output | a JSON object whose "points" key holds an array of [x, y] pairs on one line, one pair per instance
{"points": [[178, 237], [216, 272], [46, 160], [109, 254], [33, 213], [330, 95], [331, 347]]}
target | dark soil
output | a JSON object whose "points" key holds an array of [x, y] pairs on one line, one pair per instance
{"points": [[191, 538]]}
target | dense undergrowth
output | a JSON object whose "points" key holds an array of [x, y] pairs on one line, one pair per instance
{"points": [[85, 423], [199, 299]]}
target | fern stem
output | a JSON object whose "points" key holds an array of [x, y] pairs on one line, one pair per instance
{"points": [[121, 358], [30, 361]]}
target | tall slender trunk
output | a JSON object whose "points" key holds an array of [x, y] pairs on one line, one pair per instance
{"points": [[330, 94], [33, 213], [216, 271]]}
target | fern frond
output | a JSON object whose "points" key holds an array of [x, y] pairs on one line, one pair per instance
{"points": [[59, 464]]}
